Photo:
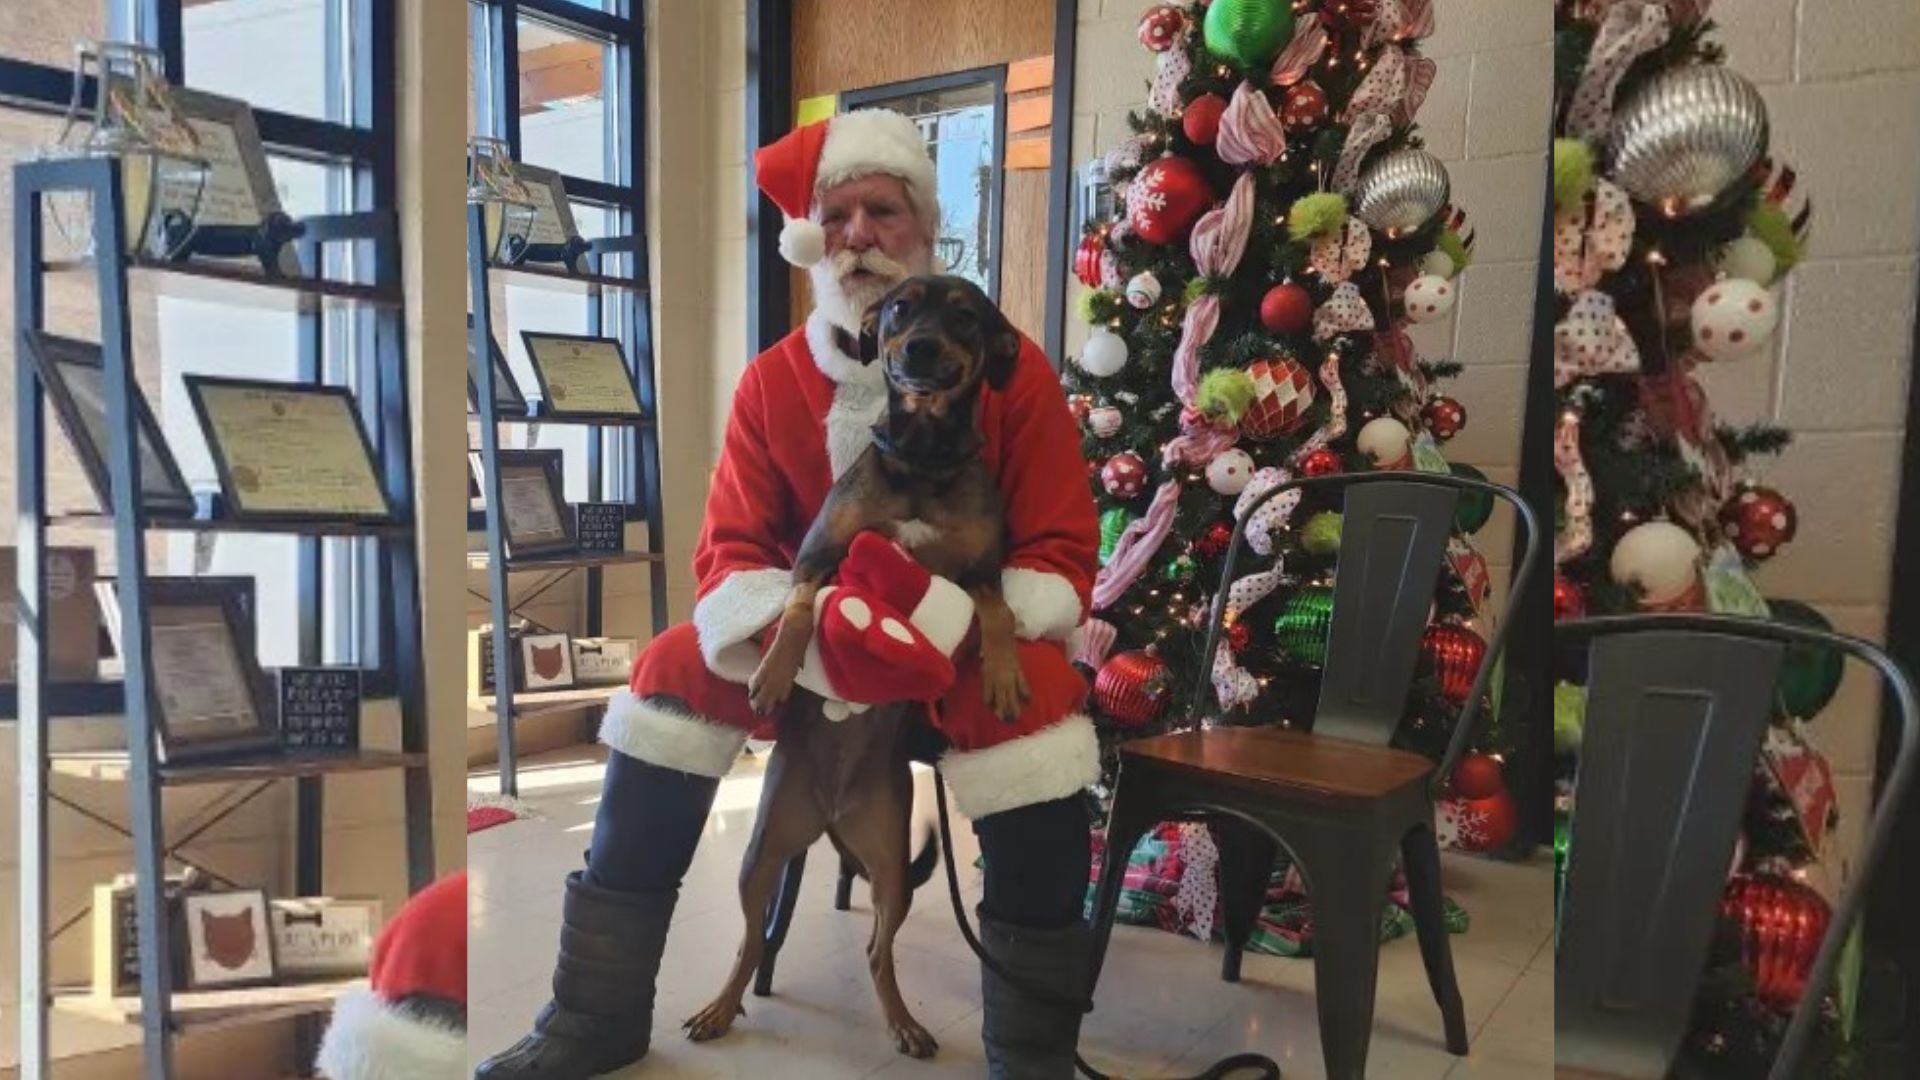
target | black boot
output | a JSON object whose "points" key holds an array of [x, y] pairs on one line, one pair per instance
{"points": [[601, 1015], [1028, 1037]]}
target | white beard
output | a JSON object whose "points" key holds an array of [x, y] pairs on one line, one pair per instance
{"points": [[845, 303]]}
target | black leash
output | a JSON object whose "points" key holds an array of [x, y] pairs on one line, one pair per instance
{"points": [[1268, 1069]]}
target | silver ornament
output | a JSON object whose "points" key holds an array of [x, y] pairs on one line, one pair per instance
{"points": [[1685, 135], [1402, 191]]}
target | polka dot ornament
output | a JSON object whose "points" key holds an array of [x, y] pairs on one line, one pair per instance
{"points": [[1428, 298], [1734, 319]]}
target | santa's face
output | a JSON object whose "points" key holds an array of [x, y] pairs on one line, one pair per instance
{"points": [[875, 240]]}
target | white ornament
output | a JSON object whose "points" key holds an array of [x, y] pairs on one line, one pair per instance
{"points": [[1229, 473], [1104, 354], [1438, 263], [1144, 290], [1429, 297], [1734, 318], [1387, 442], [1660, 557], [1749, 260], [1106, 421]]}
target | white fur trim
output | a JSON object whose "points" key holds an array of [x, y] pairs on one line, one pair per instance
{"points": [[802, 242], [368, 1039], [1046, 607], [879, 141], [745, 603], [670, 738], [859, 396], [944, 614], [1051, 763]]}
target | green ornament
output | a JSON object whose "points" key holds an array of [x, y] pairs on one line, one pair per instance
{"points": [[1301, 630], [1572, 171], [1471, 512], [1809, 674], [1196, 289], [1562, 844], [1321, 535], [1771, 226], [1225, 392], [1112, 524], [1569, 718], [1318, 214], [1181, 569], [1248, 32], [1450, 244]]}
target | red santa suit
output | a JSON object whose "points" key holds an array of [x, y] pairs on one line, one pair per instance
{"points": [[802, 415]]}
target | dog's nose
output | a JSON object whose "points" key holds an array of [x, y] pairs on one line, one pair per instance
{"points": [[922, 353]]}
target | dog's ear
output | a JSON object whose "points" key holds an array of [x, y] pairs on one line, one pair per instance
{"points": [[867, 349], [1002, 344]]}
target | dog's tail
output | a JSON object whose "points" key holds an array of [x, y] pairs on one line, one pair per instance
{"points": [[920, 870]]}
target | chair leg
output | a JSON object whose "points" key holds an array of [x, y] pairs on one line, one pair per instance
{"points": [[1246, 863], [1347, 886], [779, 919], [1126, 824], [843, 889], [1420, 854]]}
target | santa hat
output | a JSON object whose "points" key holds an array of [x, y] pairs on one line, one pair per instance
{"points": [[409, 1022], [795, 168]]}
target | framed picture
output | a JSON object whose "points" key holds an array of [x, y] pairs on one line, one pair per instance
{"points": [[547, 661], [72, 641], [319, 936], [116, 932], [319, 709], [210, 697], [534, 517], [552, 213], [582, 377], [239, 186], [289, 451], [75, 376], [507, 398], [229, 942], [603, 661]]}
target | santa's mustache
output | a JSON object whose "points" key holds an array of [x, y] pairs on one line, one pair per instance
{"points": [[846, 263]]}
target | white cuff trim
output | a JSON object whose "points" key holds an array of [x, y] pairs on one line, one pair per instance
{"points": [[1045, 605], [670, 738], [745, 603], [1051, 763], [944, 614], [368, 1039]]}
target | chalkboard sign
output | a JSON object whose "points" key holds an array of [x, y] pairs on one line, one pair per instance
{"points": [[116, 934], [320, 709], [602, 528]]}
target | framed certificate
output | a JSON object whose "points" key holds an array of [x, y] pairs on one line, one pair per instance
{"points": [[582, 378], [507, 398], [75, 375], [534, 517], [289, 451], [239, 186], [210, 698], [552, 213]]}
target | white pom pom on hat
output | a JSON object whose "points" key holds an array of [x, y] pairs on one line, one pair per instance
{"points": [[809, 159]]}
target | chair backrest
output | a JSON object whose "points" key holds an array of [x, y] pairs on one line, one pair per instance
{"points": [[1677, 707]]}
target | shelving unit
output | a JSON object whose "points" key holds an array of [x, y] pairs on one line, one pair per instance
{"points": [[159, 1011], [643, 466]]}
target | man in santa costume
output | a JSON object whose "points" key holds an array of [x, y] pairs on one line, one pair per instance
{"points": [[858, 195]]}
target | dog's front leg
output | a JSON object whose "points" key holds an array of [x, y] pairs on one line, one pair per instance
{"points": [[1000, 675], [820, 555]]}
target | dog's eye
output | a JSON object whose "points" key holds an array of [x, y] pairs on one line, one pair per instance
{"points": [[898, 310]]}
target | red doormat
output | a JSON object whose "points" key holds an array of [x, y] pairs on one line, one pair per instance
{"points": [[486, 811]]}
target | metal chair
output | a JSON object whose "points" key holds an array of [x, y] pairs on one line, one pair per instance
{"points": [[1343, 801], [1677, 706]]}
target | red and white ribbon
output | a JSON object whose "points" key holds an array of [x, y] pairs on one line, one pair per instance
{"points": [[1250, 131], [1592, 340], [1136, 547], [1094, 643], [1336, 424], [1397, 87], [1232, 685], [1196, 329], [1345, 312], [1219, 238], [1573, 540], [1400, 21], [1367, 132], [1309, 44], [1342, 253], [1170, 69], [1631, 29], [1271, 517], [1592, 238]]}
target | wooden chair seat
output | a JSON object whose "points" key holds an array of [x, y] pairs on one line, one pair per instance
{"points": [[1280, 762]]}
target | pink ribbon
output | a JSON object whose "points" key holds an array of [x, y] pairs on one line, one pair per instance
{"points": [[1592, 340], [1366, 133], [1577, 537], [1197, 447], [1196, 329], [1309, 44], [1396, 86], [1095, 642], [1136, 547], [1250, 132], [1632, 29], [1218, 243]]}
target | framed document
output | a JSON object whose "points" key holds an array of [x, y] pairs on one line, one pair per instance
{"points": [[289, 451], [534, 517], [320, 936], [582, 378], [552, 213], [229, 941], [210, 696], [239, 186], [507, 398], [75, 376]]}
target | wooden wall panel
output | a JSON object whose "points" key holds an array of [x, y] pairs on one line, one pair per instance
{"points": [[1023, 252], [852, 44]]}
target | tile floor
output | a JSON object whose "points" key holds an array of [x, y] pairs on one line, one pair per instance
{"points": [[1162, 1009]]}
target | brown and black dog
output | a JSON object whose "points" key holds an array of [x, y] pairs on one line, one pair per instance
{"points": [[922, 482]]}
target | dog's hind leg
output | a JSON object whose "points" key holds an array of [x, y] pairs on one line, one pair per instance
{"points": [[876, 833]]}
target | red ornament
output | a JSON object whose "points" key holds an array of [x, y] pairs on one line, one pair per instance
{"points": [[1759, 521], [1478, 776], [1478, 824], [1444, 417], [1456, 653], [1081, 406], [1286, 309], [1567, 601], [1282, 393], [1086, 258], [1166, 198], [1131, 688], [1124, 475], [1305, 106], [1781, 923], [1238, 636], [1161, 26], [1201, 121], [1213, 543], [1321, 462]]}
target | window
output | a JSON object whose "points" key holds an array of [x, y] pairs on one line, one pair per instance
{"points": [[325, 109]]}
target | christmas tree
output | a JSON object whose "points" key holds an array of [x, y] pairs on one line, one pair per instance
{"points": [[1280, 225], [1672, 228]]}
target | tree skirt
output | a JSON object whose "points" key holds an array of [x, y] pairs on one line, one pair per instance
{"points": [[1172, 882]]}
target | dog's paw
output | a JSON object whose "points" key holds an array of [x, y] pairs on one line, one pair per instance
{"points": [[771, 684], [1006, 689], [713, 1021], [911, 1039]]}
